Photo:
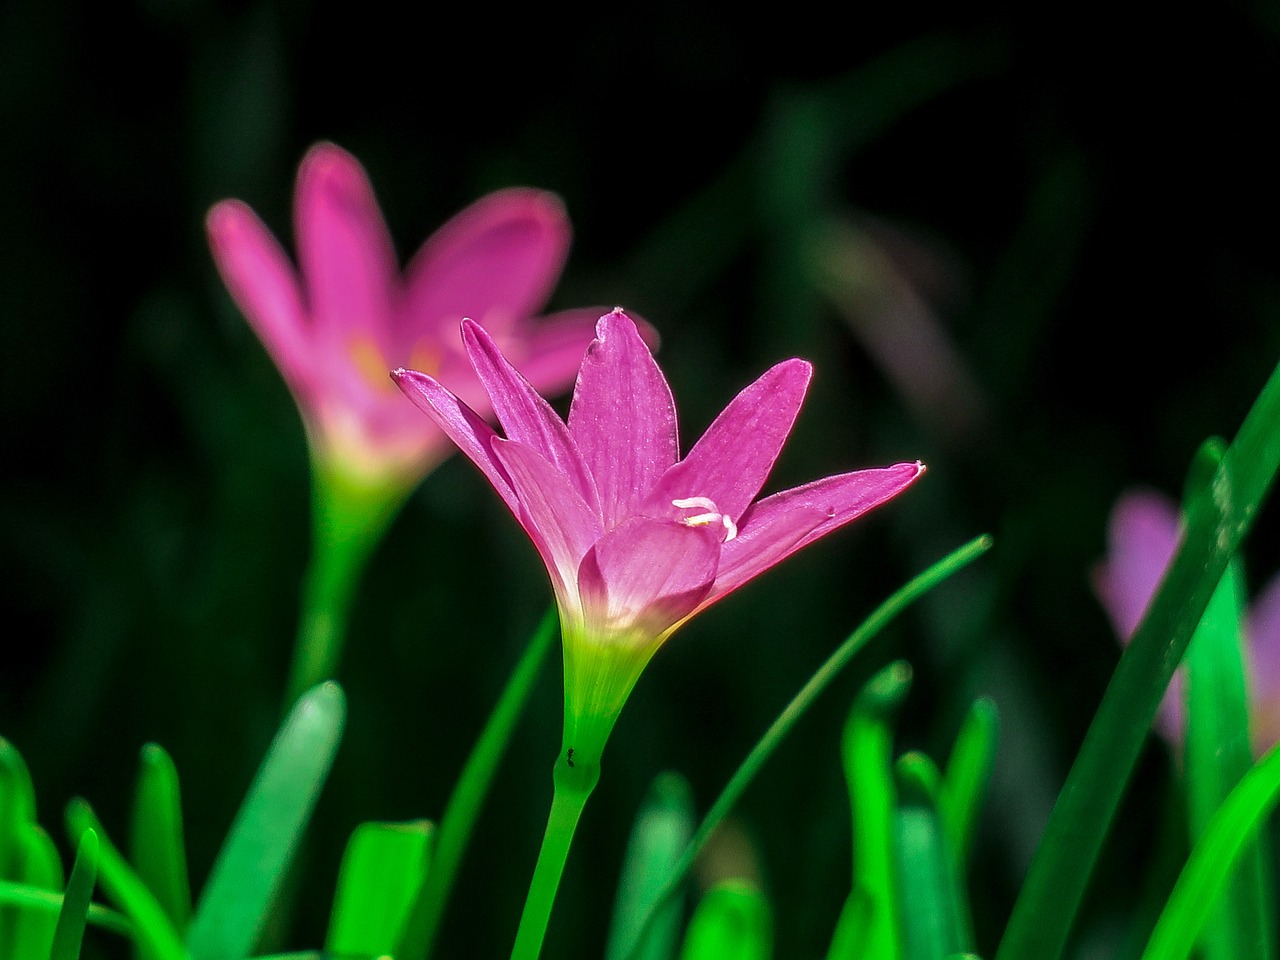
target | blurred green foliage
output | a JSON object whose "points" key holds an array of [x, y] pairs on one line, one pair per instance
{"points": [[1034, 250]]}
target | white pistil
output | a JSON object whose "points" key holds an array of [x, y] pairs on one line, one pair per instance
{"points": [[713, 515]]}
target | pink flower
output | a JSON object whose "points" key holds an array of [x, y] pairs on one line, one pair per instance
{"points": [[637, 540], [1141, 538], [340, 322]]}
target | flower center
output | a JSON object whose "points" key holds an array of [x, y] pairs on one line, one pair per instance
{"points": [[710, 514]]}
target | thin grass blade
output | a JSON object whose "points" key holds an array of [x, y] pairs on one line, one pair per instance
{"points": [[156, 845], [381, 869], [733, 921], [74, 914], [968, 775]]}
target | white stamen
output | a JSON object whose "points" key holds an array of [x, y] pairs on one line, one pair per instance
{"points": [[713, 515]]}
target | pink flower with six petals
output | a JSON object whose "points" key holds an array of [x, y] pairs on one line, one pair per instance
{"points": [[340, 322], [636, 539]]}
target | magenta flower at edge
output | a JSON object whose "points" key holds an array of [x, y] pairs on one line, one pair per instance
{"points": [[339, 322], [637, 540], [1142, 536]]}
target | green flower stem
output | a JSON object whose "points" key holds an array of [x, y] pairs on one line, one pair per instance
{"points": [[454, 832], [574, 780], [348, 518]]}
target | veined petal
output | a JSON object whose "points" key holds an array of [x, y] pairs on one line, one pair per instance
{"points": [[645, 576], [1141, 537], [348, 263], [496, 262], [462, 425], [779, 525], [264, 285], [524, 415], [560, 523], [623, 417], [548, 350], [731, 461]]}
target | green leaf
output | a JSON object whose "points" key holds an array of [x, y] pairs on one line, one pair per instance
{"points": [[1218, 751], [661, 831], [157, 848], [968, 777], [381, 869], [880, 618], [28, 857], [867, 749], [732, 922], [850, 940], [933, 915], [76, 901], [1217, 522], [248, 871], [154, 934], [1229, 832]]}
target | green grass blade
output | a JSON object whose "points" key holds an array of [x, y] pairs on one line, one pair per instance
{"points": [[867, 753], [382, 867], [154, 935], [76, 901], [47, 902], [35, 863], [1204, 878], [933, 917], [661, 831], [1218, 521], [156, 845], [460, 813], [968, 776], [880, 618], [850, 940], [256, 853], [733, 921]]}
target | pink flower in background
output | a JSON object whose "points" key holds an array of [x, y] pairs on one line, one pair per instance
{"points": [[635, 539], [1141, 538], [346, 316]]}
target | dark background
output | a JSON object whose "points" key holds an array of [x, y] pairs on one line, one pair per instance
{"points": [[1081, 201]]}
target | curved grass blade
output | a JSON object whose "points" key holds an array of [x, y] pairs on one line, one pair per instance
{"points": [[27, 857], [880, 618], [381, 869], [850, 941], [1201, 883], [1217, 522], [259, 847], [968, 775], [733, 921], [867, 749], [661, 831], [38, 900], [932, 913], [153, 933], [156, 845], [460, 813], [76, 901]]}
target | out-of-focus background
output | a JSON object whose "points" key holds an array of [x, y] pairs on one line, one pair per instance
{"points": [[1035, 250]]}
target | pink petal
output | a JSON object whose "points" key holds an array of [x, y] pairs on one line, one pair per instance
{"points": [[623, 417], [524, 415], [731, 461], [496, 262], [560, 523], [1141, 537], [548, 350], [348, 263], [461, 424], [1264, 647], [781, 524], [646, 576], [264, 286]]}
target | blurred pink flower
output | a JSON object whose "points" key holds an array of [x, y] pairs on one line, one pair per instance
{"points": [[345, 317], [635, 539], [1142, 535]]}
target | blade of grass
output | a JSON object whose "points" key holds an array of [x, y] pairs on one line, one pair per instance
{"points": [[880, 618], [968, 776], [733, 921], [1203, 879], [73, 916], [381, 869], [1220, 517], [662, 828], [246, 876], [156, 846], [39, 900]]}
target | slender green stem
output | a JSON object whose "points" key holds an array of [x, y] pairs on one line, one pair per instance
{"points": [[348, 518], [26, 897], [423, 919], [573, 785], [778, 730]]}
